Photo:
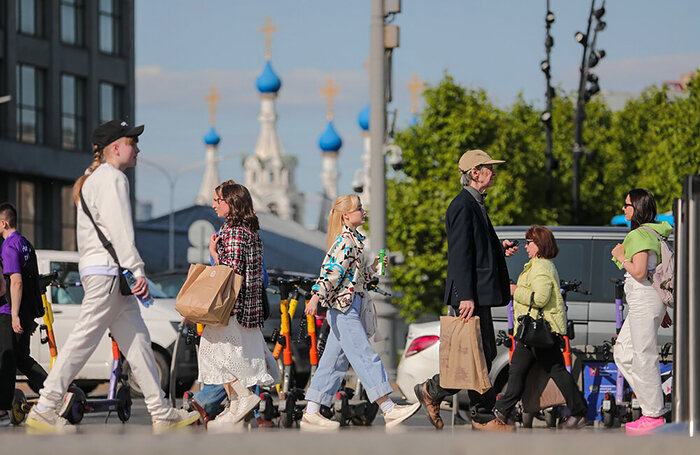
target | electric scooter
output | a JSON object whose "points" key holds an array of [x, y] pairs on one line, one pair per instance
{"points": [[118, 396], [20, 405]]}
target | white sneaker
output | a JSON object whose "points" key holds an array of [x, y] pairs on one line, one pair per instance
{"points": [[244, 406], [399, 414], [317, 423], [48, 422], [64, 407], [177, 418], [225, 423]]}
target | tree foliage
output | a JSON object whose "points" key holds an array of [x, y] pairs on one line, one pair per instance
{"points": [[651, 143]]}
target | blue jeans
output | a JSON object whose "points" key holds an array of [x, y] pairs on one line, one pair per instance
{"points": [[211, 396], [347, 345]]}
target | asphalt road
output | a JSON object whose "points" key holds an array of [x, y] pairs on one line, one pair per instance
{"points": [[416, 437]]}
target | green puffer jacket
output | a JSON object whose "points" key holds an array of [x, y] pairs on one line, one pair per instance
{"points": [[541, 277]]}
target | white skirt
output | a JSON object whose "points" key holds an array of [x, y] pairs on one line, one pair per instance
{"points": [[234, 353]]}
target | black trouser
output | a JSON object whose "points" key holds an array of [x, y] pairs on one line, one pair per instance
{"points": [[14, 355], [552, 361], [481, 404]]}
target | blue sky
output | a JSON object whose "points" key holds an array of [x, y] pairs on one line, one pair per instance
{"points": [[184, 46]]}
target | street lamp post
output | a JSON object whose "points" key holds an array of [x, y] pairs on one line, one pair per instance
{"points": [[546, 117]]}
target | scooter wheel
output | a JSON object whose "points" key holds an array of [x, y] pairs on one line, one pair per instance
{"points": [[550, 418], [636, 414], [608, 419], [17, 414], [367, 417], [77, 411], [528, 418], [124, 403]]}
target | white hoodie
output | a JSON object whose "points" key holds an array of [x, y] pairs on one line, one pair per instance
{"points": [[106, 192]]}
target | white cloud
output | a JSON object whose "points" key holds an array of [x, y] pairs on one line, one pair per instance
{"points": [[634, 74]]}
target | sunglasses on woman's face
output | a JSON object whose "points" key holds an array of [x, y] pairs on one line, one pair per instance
{"points": [[625, 205], [527, 242]]}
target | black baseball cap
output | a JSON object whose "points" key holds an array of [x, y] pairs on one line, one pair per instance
{"points": [[110, 131]]}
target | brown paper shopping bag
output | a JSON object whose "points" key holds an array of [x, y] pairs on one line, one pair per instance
{"points": [[462, 361], [208, 295], [540, 391]]}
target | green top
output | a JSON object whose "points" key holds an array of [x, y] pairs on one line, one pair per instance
{"points": [[642, 240], [540, 277]]}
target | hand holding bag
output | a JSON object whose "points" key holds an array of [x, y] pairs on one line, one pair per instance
{"points": [[534, 332], [208, 295]]}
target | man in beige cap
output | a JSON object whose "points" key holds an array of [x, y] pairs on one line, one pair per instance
{"points": [[477, 279]]}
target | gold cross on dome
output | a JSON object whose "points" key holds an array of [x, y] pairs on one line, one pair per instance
{"points": [[329, 91], [415, 86], [212, 98], [268, 29]]}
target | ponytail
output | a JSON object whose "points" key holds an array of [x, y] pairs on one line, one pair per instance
{"points": [[342, 204], [98, 159]]}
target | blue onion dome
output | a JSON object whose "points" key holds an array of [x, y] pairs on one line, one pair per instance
{"points": [[268, 82], [329, 140], [211, 138], [363, 118]]}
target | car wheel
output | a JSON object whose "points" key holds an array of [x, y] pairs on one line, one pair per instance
{"points": [[163, 367]]}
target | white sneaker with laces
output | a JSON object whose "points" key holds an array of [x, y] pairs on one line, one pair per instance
{"points": [[48, 422], [400, 413], [177, 418], [317, 423], [244, 406], [225, 423]]}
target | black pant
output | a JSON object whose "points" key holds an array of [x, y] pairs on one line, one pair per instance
{"points": [[481, 404], [552, 361], [14, 355]]}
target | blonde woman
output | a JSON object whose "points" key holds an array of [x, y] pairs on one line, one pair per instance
{"points": [[341, 288]]}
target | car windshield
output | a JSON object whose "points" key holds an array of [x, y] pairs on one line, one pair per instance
{"points": [[70, 289]]}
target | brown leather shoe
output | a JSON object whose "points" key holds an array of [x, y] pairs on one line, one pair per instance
{"points": [[204, 417], [431, 408], [494, 425]]}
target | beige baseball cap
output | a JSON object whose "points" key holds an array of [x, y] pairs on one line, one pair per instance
{"points": [[474, 158]]}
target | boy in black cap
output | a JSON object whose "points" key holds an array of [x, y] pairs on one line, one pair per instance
{"points": [[102, 197]]}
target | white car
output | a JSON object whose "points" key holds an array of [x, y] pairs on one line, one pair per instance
{"points": [[161, 320]]}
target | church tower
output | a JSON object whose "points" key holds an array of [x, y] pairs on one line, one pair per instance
{"points": [[330, 144], [269, 173], [211, 143]]}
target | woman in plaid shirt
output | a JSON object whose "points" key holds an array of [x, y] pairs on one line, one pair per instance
{"points": [[341, 288], [234, 355]]}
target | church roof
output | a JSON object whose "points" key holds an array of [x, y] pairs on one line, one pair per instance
{"points": [[268, 81], [212, 138], [363, 118], [329, 140]]}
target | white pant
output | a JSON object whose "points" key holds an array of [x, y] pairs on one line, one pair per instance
{"points": [[636, 350], [105, 308]]}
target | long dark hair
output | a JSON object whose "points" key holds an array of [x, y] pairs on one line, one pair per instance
{"points": [[644, 207], [240, 206]]}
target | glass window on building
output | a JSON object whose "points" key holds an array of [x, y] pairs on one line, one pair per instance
{"points": [[30, 104], [72, 22], [72, 111], [109, 26], [68, 241], [26, 211], [110, 102], [30, 17]]}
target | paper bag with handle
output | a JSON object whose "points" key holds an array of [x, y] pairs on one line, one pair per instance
{"points": [[462, 361], [208, 295]]}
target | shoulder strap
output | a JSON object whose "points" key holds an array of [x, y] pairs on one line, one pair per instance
{"points": [[658, 236], [105, 243]]}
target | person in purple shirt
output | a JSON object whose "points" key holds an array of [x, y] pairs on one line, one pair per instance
{"points": [[16, 313]]}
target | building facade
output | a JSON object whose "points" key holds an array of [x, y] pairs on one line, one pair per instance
{"points": [[67, 65]]}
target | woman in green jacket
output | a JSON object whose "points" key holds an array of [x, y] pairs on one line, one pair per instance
{"points": [[539, 281]]}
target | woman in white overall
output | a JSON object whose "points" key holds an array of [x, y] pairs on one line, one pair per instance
{"points": [[340, 287], [636, 350], [105, 189]]}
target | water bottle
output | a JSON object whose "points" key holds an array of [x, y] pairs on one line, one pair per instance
{"points": [[382, 255], [131, 279]]}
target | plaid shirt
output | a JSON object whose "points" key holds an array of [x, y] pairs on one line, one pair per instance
{"points": [[241, 249], [344, 271]]}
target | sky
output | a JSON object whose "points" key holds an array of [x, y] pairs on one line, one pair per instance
{"points": [[185, 46]]}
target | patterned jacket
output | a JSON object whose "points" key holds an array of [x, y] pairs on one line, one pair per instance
{"points": [[241, 249], [344, 271]]}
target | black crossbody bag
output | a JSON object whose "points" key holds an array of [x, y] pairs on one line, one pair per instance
{"points": [[534, 332], [124, 287]]}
